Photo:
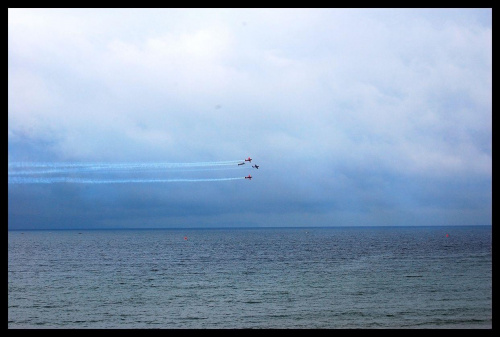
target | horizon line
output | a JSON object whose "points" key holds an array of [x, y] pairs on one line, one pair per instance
{"points": [[237, 227]]}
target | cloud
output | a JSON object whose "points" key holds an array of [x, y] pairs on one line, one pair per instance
{"points": [[330, 101]]}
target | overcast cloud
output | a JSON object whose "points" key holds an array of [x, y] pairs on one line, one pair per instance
{"points": [[355, 116]]}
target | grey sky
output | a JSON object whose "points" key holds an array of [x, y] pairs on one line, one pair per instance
{"points": [[356, 116]]}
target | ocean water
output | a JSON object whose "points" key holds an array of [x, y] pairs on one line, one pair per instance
{"points": [[296, 278]]}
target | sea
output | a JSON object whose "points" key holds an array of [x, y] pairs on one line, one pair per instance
{"points": [[251, 278]]}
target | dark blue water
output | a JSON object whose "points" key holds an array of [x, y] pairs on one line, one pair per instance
{"points": [[383, 277]]}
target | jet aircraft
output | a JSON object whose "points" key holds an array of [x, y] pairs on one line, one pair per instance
{"points": [[248, 177], [249, 159], [255, 166], [241, 163]]}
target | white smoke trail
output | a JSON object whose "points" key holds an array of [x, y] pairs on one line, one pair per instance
{"points": [[37, 171], [118, 166], [53, 180], [98, 173]]}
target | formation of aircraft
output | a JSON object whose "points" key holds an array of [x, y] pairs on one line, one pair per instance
{"points": [[249, 177]]}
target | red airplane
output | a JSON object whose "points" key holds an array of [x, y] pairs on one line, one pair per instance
{"points": [[249, 177], [248, 159]]}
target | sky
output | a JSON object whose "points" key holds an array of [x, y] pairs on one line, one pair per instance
{"points": [[356, 117]]}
